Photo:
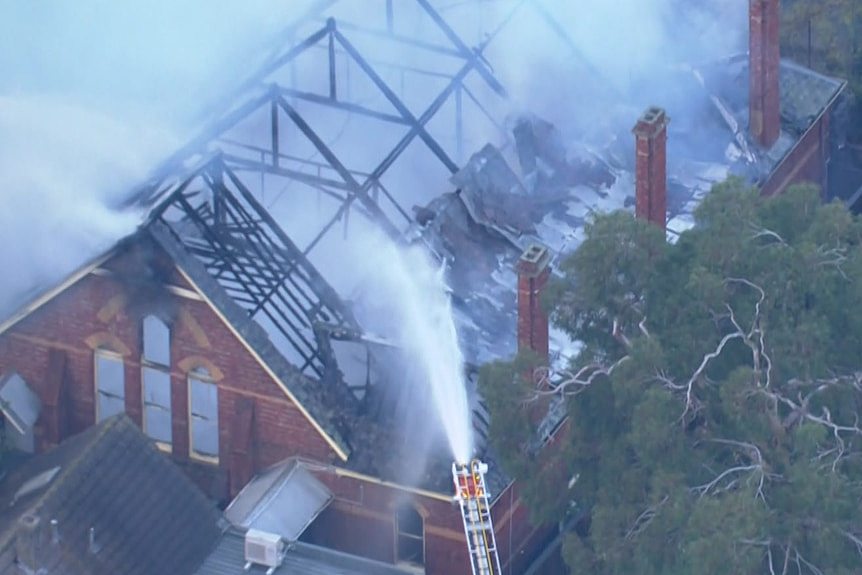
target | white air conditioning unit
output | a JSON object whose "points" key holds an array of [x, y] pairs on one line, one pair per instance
{"points": [[262, 548]]}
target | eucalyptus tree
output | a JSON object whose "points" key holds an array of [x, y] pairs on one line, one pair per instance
{"points": [[712, 411]]}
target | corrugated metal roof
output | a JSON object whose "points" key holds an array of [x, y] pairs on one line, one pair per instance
{"points": [[301, 558], [147, 517]]}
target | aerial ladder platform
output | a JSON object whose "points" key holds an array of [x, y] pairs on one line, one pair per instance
{"points": [[471, 494]]}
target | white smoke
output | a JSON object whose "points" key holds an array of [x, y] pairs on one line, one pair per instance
{"points": [[57, 186], [94, 93]]}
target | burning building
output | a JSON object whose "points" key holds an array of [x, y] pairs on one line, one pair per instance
{"points": [[231, 326]]}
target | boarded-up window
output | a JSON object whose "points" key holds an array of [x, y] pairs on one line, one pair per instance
{"points": [[410, 536], [203, 409], [110, 384], [156, 379]]}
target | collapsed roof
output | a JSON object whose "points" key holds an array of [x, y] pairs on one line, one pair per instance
{"points": [[258, 209]]}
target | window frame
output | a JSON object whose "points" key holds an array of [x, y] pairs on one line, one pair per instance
{"points": [[399, 534], [148, 364], [202, 375], [111, 355]]}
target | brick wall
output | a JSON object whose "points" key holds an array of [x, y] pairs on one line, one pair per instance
{"points": [[96, 310], [361, 520], [806, 162], [651, 166], [764, 59]]}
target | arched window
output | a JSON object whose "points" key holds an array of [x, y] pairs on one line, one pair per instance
{"points": [[409, 536], [203, 416], [110, 380], [156, 381]]}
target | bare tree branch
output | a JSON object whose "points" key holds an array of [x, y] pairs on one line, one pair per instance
{"points": [[644, 519], [764, 232], [618, 334], [757, 467], [571, 383], [755, 337], [834, 257], [856, 540], [800, 559], [689, 387]]}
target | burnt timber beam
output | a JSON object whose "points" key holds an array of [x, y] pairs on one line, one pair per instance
{"points": [[399, 39], [272, 278], [273, 112], [355, 188], [249, 286], [238, 163], [323, 231], [342, 105], [175, 161], [288, 56], [321, 287], [417, 128], [465, 50], [423, 119], [333, 93]]}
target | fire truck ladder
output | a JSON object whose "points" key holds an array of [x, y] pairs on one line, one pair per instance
{"points": [[472, 496]]}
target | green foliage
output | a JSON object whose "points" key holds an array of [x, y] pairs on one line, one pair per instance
{"points": [[827, 35], [719, 429]]}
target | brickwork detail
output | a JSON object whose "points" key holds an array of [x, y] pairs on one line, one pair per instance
{"points": [[651, 166], [534, 271], [53, 349], [764, 105]]}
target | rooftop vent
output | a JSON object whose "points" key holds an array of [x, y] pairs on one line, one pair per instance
{"points": [[262, 548]]}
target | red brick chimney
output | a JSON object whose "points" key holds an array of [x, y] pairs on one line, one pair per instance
{"points": [[533, 274], [651, 166], [764, 55]]}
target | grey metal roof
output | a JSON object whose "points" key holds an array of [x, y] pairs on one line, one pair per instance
{"points": [[547, 188], [804, 94], [283, 499], [148, 517], [300, 559]]}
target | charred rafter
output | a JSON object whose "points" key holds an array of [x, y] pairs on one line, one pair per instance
{"points": [[352, 188], [219, 221]]}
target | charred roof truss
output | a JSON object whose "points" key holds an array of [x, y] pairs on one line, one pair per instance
{"points": [[219, 221], [275, 94]]}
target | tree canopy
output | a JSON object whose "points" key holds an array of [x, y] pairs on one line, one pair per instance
{"points": [[713, 407], [827, 35]]}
